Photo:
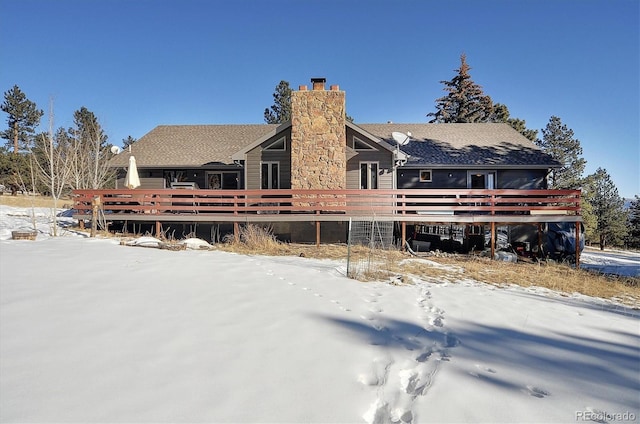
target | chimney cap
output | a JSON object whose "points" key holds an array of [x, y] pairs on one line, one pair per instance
{"points": [[318, 80]]}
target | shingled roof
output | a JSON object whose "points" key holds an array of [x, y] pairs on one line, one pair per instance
{"points": [[465, 145], [190, 146], [433, 145]]}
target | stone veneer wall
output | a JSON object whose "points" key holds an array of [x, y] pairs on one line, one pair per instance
{"points": [[318, 139]]}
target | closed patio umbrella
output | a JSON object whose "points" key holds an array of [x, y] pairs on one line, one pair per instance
{"points": [[132, 180]]}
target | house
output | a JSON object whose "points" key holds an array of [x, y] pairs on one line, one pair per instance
{"points": [[318, 149]]}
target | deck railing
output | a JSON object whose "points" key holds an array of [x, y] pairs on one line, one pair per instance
{"points": [[397, 204]]}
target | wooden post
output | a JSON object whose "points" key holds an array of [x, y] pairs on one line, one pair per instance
{"points": [[158, 228], [539, 239], [493, 240], [236, 232], [404, 235], [317, 231], [577, 244], [95, 204]]}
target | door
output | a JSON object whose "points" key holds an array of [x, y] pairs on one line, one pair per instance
{"points": [[270, 175], [481, 180]]}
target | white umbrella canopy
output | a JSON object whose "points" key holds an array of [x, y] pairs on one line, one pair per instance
{"points": [[132, 180]]}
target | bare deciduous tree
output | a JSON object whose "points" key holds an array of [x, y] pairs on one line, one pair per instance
{"points": [[50, 159]]}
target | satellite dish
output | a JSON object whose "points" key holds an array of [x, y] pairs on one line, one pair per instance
{"points": [[115, 150], [400, 138]]}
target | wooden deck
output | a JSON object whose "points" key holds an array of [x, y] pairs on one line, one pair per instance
{"points": [[439, 205]]}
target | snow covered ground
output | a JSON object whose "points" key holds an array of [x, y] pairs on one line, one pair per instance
{"points": [[91, 331], [615, 262]]}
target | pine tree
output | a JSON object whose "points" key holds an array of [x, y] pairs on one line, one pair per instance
{"points": [[90, 166], [23, 118], [608, 209], [87, 128], [500, 113], [281, 109], [633, 237], [559, 142], [465, 101], [126, 142]]}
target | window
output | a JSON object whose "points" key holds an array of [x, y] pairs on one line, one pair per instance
{"points": [[279, 144], [358, 144], [368, 175], [223, 180], [270, 175], [425, 176]]}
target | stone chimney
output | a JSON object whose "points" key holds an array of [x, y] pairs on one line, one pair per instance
{"points": [[318, 138]]}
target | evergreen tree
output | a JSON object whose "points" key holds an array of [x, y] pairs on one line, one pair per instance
{"points": [[87, 128], [91, 153], [465, 101], [14, 171], [633, 237], [589, 220], [559, 142], [608, 209], [126, 142], [281, 109], [500, 113], [23, 118]]}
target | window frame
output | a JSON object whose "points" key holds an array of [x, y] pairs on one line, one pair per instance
{"points": [[361, 142], [370, 173], [425, 180], [282, 139]]}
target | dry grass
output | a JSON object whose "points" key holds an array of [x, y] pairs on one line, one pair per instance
{"points": [[25, 201], [558, 277], [402, 267]]}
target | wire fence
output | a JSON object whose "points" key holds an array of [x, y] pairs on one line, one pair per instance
{"points": [[376, 238]]}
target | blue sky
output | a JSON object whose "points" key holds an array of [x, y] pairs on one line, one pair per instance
{"points": [[141, 63]]}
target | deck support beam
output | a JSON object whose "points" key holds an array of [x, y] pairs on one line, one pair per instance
{"points": [[539, 227], [577, 244], [493, 240], [404, 235]]}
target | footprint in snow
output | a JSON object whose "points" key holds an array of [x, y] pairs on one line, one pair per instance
{"points": [[487, 369], [536, 391], [436, 321], [450, 340], [377, 374], [401, 416]]}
